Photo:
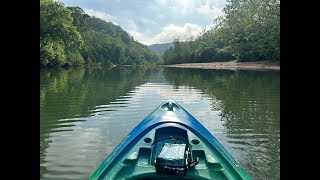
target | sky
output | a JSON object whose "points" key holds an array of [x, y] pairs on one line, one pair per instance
{"points": [[155, 21]]}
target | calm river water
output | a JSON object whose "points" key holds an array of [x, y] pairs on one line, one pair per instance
{"points": [[85, 113]]}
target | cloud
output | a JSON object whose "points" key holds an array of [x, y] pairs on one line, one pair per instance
{"points": [[102, 15], [139, 37], [182, 7], [132, 25], [186, 6], [171, 32], [210, 11]]}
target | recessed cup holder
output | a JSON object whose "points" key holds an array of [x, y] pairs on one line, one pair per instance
{"points": [[195, 141], [147, 140]]}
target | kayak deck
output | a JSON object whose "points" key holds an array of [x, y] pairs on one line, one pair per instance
{"points": [[139, 164], [135, 157]]}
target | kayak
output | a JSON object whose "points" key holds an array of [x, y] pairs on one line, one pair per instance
{"points": [[169, 144]]}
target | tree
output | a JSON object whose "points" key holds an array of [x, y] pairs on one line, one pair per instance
{"points": [[249, 31], [57, 33]]}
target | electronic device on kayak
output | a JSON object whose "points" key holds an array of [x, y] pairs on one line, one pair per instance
{"points": [[174, 159]]}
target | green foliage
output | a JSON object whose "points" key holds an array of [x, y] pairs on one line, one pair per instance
{"points": [[57, 34], [52, 54], [108, 43], [74, 58], [100, 47], [79, 19], [250, 31], [68, 36]]}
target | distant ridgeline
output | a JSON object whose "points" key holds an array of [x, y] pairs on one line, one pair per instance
{"points": [[249, 31], [160, 48], [69, 37]]}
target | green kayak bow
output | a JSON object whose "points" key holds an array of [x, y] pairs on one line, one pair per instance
{"points": [[169, 144]]}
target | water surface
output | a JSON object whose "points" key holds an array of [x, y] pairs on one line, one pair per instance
{"points": [[85, 113]]}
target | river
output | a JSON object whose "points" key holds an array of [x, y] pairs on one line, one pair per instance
{"points": [[86, 112]]}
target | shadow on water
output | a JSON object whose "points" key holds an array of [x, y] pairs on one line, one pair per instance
{"points": [[69, 93], [249, 102]]}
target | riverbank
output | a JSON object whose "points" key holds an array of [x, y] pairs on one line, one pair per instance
{"points": [[233, 65]]}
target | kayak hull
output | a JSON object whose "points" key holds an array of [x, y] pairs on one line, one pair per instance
{"points": [[134, 157]]}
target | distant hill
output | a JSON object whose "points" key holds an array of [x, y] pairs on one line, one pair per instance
{"points": [[160, 48]]}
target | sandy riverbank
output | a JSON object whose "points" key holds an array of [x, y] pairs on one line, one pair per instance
{"points": [[233, 65]]}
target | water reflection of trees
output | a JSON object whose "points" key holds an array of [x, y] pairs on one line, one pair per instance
{"points": [[70, 93], [249, 102], [247, 97]]}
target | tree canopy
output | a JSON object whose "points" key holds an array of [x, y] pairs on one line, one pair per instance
{"points": [[70, 37], [249, 31]]}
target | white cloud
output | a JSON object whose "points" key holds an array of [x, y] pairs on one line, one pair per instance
{"points": [[182, 7], [210, 11], [171, 32], [132, 25], [102, 15], [186, 5], [139, 37]]}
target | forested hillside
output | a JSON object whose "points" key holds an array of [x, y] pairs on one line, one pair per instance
{"points": [[70, 37], [160, 48], [249, 31]]}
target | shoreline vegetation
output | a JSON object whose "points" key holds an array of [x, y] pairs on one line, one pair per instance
{"points": [[231, 65]]}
